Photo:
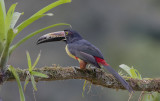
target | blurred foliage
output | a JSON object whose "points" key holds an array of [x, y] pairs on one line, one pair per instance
{"points": [[88, 85], [145, 96], [131, 71], [31, 73], [22, 97], [8, 31]]}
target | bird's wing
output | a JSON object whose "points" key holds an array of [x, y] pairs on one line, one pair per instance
{"points": [[86, 47], [85, 51], [87, 58]]}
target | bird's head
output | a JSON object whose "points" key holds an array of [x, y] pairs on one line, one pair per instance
{"points": [[67, 35]]}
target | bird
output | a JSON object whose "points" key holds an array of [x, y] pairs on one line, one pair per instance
{"points": [[82, 51]]}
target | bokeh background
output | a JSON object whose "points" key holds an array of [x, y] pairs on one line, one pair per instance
{"points": [[126, 31]]}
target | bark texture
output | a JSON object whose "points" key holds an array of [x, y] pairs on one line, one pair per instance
{"points": [[95, 76]]}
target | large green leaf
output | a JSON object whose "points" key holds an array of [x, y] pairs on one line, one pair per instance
{"points": [[33, 34], [51, 6], [9, 18], [5, 53], [15, 18], [39, 14], [27, 22], [2, 20], [1, 47], [3, 7], [22, 97]]}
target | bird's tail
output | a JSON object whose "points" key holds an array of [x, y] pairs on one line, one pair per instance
{"points": [[119, 78], [114, 73]]}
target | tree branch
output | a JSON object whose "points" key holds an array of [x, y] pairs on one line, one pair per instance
{"points": [[95, 76]]}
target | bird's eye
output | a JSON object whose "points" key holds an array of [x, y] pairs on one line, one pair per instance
{"points": [[66, 33]]}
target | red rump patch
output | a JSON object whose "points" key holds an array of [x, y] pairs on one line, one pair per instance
{"points": [[102, 61]]}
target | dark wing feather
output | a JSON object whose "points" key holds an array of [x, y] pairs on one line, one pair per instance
{"points": [[85, 51], [86, 47], [87, 58]]}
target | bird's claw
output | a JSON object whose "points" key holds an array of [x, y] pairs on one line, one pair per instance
{"points": [[75, 68]]}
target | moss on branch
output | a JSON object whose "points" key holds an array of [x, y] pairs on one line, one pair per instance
{"points": [[95, 76]]}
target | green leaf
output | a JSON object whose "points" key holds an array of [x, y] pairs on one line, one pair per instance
{"points": [[2, 20], [27, 22], [22, 97], [29, 61], [15, 18], [26, 82], [135, 73], [35, 63], [126, 68], [39, 14], [154, 96], [51, 6], [3, 7], [131, 71], [138, 74], [89, 90], [84, 87], [33, 82], [39, 74], [5, 53], [33, 34], [1, 47], [9, 37], [9, 17]]}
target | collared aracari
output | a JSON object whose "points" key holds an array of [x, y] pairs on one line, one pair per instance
{"points": [[83, 51]]}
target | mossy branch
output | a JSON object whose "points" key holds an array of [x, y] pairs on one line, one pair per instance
{"points": [[95, 76]]}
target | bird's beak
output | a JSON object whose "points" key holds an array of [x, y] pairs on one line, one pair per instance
{"points": [[50, 37]]}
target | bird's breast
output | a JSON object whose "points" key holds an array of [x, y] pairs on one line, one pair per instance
{"points": [[69, 53]]}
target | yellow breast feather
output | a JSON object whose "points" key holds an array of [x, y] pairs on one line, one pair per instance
{"points": [[71, 55]]}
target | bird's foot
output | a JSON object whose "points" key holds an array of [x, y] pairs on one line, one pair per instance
{"points": [[94, 69], [75, 68], [89, 66]]}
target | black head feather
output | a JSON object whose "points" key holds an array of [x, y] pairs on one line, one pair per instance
{"points": [[72, 36]]}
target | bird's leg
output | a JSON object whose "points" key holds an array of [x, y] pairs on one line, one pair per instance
{"points": [[82, 64]]}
